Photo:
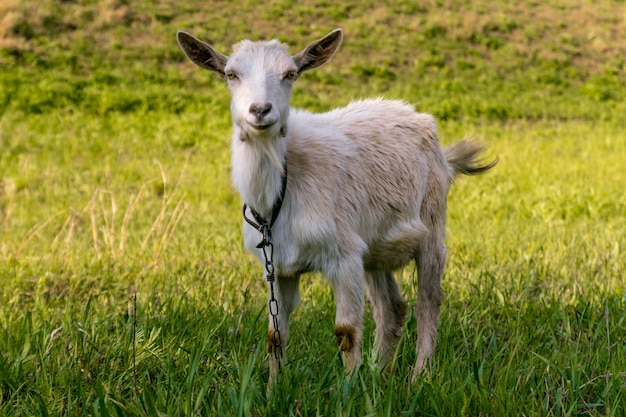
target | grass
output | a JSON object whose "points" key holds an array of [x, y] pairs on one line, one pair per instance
{"points": [[124, 289]]}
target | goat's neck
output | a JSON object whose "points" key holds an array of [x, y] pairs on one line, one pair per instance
{"points": [[257, 169]]}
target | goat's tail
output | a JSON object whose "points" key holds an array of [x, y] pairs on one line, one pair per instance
{"points": [[463, 159]]}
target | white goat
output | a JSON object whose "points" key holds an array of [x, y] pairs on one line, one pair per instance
{"points": [[364, 193]]}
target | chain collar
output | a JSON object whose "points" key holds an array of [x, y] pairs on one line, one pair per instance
{"points": [[259, 222]]}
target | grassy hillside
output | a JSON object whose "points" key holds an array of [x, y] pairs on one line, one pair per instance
{"points": [[562, 60], [114, 184]]}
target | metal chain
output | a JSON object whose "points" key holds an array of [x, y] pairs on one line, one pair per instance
{"points": [[267, 247], [264, 227], [268, 253]]}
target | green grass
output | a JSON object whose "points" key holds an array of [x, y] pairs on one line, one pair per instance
{"points": [[124, 288]]}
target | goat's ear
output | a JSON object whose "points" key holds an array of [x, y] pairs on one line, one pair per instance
{"points": [[201, 53], [318, 52]]}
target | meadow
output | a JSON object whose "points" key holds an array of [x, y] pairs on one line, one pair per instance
{"points": [[124, 288]]}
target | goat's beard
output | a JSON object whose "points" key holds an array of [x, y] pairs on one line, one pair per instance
{"points": [[271, 148], [271, 145]]}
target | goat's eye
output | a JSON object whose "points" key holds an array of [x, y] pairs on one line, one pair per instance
{"points": [[291, 75], [231, 75]]}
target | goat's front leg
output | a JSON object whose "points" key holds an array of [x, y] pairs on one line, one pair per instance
{"points": [[348, 288], [287, 295]]}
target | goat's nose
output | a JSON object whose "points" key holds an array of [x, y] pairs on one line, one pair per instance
{"points": [[260, 109]]}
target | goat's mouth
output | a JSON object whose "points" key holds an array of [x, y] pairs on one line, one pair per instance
{"points": [[261, 126]]}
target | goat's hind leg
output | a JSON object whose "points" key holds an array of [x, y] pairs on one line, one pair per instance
{"points": [[389, 311], [430, 261], [287, 294]]}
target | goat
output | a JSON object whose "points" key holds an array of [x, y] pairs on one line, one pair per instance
{"points": [[365, 193]]}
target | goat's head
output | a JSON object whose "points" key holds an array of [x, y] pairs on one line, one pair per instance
{"points": [[260, 76]]}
